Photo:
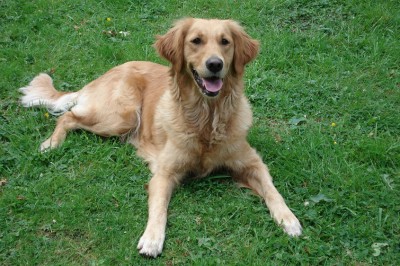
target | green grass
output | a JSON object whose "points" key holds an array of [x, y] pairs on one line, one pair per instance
{"points": [[321, 62]]}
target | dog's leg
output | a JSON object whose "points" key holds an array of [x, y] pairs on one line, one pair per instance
{"points": [[65, 123], [250, 171], [160, 190]]}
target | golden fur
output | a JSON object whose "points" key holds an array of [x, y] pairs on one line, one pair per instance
{"points": [[190, 118]]}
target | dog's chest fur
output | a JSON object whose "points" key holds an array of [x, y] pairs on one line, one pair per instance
{"points": [[208, 133], [202, 135]]}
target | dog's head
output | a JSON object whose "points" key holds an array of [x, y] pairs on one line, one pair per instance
{"points": [[208, 51]]}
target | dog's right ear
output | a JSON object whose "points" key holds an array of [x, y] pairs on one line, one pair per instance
{"points": [[170, 45]]}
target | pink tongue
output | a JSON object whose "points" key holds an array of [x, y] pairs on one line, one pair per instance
{"points": [[213, 85]]}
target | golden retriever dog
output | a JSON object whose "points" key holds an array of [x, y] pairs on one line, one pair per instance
{"points": [[185, 120]]}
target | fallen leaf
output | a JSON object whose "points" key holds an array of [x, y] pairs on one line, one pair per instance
{"points": [[198, 220], [297, 121], [20, 197], [278, 138], [124, 33], [205, 241], [377, 248], [110, 32], [320, 197], [388, 180]]}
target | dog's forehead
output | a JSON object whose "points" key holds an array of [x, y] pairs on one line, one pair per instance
{"points": [[211, 28]]}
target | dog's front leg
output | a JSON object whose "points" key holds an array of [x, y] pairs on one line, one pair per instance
{"points": [[250, 171], [160, 190]]}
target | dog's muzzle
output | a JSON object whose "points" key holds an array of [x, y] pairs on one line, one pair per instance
{"points": [[209, 86], [212, 83]]}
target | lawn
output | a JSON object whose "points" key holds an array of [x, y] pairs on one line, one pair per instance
{"points": [[325, 91]]}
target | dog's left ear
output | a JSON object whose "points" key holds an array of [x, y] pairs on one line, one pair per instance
{"points": [[246, 48], [170, 45]]}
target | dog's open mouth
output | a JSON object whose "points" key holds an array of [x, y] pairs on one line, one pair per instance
{"points": [[209, 86]]}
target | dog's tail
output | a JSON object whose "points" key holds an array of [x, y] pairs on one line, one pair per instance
{"points": [[41, 92]]}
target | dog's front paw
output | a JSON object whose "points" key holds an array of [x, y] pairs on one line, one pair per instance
{"points": [[292, 226], [151, 245], [289, 222]]}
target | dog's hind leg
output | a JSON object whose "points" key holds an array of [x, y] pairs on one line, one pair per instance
{"points": [[104, 107], [102, 122], [65, 123], [41, 92]]}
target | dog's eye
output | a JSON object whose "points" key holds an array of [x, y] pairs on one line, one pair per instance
{"points": [[224, 41], [196, 40]]}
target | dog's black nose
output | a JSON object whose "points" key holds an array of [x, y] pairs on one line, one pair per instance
{"points": [[214, 64]]}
